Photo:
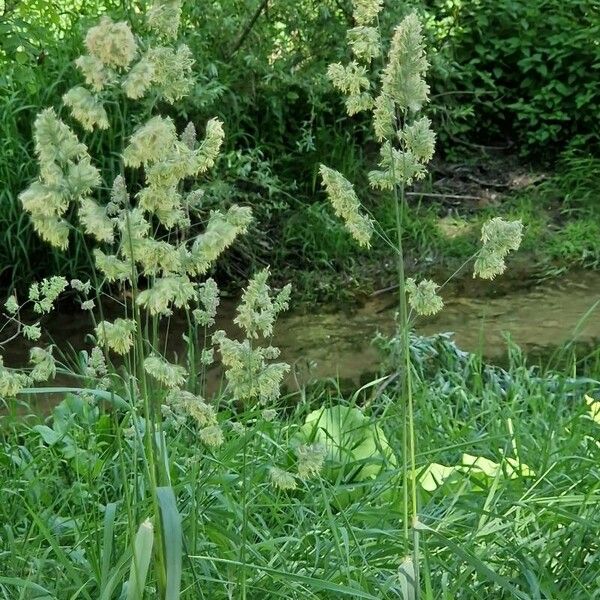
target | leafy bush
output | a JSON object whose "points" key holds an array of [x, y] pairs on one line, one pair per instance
{"points": [[525, 71], [529, 69]]}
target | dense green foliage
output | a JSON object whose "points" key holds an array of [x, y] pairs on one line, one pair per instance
{"points": [[518, 72], [531, 67], [72, 504]]}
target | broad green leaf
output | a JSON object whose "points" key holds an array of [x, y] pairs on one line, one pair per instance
{"points": [[48, 434], [593, 408], [434, 475], [171, 528], [353, 443]]}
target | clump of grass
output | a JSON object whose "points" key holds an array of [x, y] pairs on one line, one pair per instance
{"points": [[141, 485], [73, 502]]}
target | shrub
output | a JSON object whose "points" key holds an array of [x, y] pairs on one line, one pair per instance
{"points": [[529, 69]]}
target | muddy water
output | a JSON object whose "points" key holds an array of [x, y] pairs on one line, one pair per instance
{"points": [[537, 317], [334, 343]]}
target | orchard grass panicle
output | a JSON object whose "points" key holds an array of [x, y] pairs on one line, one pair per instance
{"points": [[365, 12], [117, 336], [396, 93], [208, 296], [44, 367], [311, 458], [212, 436], [164, 17], [281, 479], [167, 373], [499, 238], [86, 109], [365, 43], [11, 381], [257, 311], [423, 297], [346, 205], [32, 332], [113, 44]]}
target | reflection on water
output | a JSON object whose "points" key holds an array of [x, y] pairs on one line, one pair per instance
{"points": [[338, 344], [537, 318]]}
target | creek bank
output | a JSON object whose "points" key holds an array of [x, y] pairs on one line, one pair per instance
{"points": [[334, 341]]}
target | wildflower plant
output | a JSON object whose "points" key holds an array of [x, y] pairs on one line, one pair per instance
{"points": [[387, 78], [152, 239]]}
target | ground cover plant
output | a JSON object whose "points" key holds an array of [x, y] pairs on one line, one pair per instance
{"points": [[442, 478]]}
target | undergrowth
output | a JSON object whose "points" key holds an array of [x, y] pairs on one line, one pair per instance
{"points": [[442, 478], [70, 496]]}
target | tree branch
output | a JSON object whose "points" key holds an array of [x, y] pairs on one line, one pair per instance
{"points": [[248, 27]]}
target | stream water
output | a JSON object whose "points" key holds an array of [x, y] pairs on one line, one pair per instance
{"points": [[337, 343]]}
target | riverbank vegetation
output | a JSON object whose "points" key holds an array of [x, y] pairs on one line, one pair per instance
{"points": [[186, 152], [519, 522], [498, 104]]}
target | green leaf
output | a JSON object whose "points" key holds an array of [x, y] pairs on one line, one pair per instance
{"points": [[110, 397], [171, 528], [314, 583], [48, 434], [434, 475], [107, 542], [23, 583], [407, 578], [353, 443]]}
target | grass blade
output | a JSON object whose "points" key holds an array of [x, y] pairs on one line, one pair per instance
{"points": [[171, 527], [109, 526], [23, 583], [477, 564], [142, 553]]}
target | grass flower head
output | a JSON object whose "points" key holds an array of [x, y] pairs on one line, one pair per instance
{"points": [[117, 336], [112, 43], [172, 376], [346, 205], [44, 366], [423, 297], [164, 17], [86, 108], [282, 480]]}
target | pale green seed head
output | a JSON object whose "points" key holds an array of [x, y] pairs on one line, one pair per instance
{"points": [[167, 373], [44, 366], [423, 297], [311, 458], [164, 17], [365, 12], [282, 480], [364, 42], [139, 79], [86, 108], [95, 221], [117, 335], [111, 43], [346, 205]]}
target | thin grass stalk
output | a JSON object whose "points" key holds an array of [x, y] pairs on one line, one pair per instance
{"points": [[409, 445], [244, 509], [149, 415]]}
